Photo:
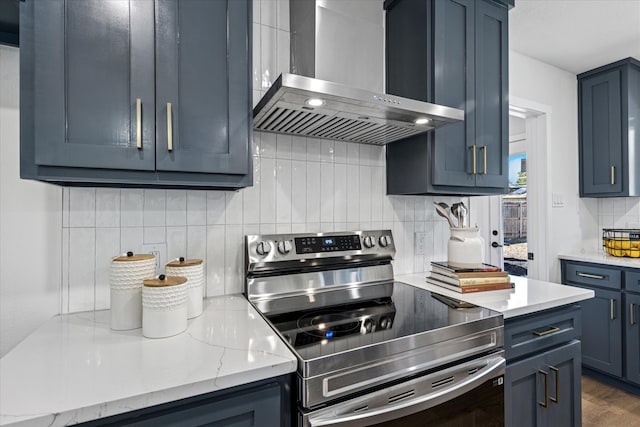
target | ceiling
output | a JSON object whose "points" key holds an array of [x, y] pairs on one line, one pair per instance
{"points": [[576, 35]]}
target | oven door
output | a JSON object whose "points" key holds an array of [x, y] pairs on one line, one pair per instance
{"points": [[468, 394]]}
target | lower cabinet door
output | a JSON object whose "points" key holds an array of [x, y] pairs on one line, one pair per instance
{"points": [[261, 407], [602, 332], [633, 338], [545, 389]]}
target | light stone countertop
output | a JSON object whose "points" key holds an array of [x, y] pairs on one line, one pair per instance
{"points": [[599, 257], [528, 295], [75, 368]]}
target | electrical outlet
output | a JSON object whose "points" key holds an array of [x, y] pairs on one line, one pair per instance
{"points": [[160, 252], [419, 242]]}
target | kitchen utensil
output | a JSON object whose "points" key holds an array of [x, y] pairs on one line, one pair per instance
{"points": [[455, 211], [443, 210], [464, 215]]}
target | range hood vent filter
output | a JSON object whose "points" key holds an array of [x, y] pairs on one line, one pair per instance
{"points": [[346, 113]]}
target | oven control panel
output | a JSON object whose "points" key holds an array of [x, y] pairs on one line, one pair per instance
{"points": [[272, 248], [306, 245]]}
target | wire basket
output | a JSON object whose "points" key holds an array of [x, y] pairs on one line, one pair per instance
{"points": [[621, 242]]}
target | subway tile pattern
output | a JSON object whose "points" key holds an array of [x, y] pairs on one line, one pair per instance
{"points": [[619, 212], [300, 185]]}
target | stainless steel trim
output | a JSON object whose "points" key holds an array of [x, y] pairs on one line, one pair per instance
{"points": [[267, 287], [348, 113], [375, 365], [375, 407]]}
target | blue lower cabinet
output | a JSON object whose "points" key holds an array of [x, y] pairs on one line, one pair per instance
{"points": [[266, 403], [633, 338], [545, 389]]}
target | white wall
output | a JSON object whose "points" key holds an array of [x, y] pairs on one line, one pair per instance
{"points": [[30, 220], [574, 226]]}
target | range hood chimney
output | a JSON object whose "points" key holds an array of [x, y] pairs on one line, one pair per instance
{"points": [[342, 41]]}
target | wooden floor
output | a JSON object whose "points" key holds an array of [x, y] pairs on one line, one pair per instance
{"points": [[606, 406]]}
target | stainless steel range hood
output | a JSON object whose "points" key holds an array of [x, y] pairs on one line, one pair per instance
{"points": [[304, 105]]}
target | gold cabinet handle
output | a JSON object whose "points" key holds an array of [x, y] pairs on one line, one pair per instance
{"points": [[591, 276], [632, 311], [473, 159], [169, 128], [546, 389], [613, 175], [484, 155], [139, 123], [612, 307], [557, 372], [551, 330]]}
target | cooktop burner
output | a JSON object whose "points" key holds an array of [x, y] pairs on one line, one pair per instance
{"points": [[407, 311]]}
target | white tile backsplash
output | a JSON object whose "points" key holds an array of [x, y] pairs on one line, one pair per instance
{"points": [[620, 212], [300, 185]]}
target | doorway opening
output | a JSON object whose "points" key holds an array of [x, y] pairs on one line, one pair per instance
{"points": [[514, 204]]}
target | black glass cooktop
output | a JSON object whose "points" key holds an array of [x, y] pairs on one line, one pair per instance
{"points": [[403, 311]]}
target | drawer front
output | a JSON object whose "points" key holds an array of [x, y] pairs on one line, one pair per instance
{"points": [[531, 333], [591, 275], [632, 281]]}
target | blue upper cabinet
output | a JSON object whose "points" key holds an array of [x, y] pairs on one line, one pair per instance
{"points": [[136, 92], [453, 53], [608, 107]]}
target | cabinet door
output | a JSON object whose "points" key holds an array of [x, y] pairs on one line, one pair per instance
{"points": [[203, 72], [92, 59], [545, 390], [601, 168], [453, 83], [491, 95], [632, 336], [602, 332]]}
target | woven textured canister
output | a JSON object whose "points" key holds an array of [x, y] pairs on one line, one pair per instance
{"points": [[164, 306], [193, 270], [126, 278]]}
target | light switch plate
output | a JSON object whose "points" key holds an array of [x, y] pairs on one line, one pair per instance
{"points": [[557, 200]]}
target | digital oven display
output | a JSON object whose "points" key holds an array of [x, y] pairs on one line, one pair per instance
{"points": [[310, 245]]}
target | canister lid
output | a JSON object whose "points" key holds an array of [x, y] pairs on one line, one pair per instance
{"points": [[163, 280], [130, 256], [182, 262]]}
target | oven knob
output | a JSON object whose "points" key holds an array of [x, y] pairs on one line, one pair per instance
{"points": [[369, 242], [367, 325], [384, 241], [383, 323], [263, 248], [284, 247]]}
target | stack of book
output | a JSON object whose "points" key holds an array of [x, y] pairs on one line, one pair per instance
{"points": [[466, 280]]}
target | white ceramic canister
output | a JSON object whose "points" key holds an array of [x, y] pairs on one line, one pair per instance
{"points": [[164, 306], [126, 276], [193, 270], [465, 248]]}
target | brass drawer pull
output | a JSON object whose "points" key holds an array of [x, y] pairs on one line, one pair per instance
{"points": [[138, 123], [557, 398], [592, 276], [612, 306], [551, 330], [169, 128], [613, 175], [473, 159], [546, 389], [484, 155]]}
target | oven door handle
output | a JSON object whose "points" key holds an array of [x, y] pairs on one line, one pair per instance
{"points": [[402, 408]]}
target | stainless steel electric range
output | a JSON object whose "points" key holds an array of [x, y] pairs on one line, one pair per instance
{"points": [[371, 350]]}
